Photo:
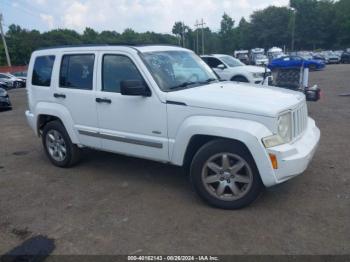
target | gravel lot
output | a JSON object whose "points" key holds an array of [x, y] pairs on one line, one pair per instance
{"points": [[111, 204]]}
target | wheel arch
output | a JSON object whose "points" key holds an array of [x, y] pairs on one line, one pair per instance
{"points": [[196, 131], [47, 112], [197, 141], [239, 75]]}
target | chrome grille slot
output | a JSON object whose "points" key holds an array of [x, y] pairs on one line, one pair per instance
{"points": [[299, 117]]}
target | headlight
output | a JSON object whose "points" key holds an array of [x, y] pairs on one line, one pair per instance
{"points": [[284, 132], [257, 75]]}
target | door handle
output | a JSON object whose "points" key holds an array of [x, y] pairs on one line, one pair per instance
{"points": [[59, 95], [103, 100]]}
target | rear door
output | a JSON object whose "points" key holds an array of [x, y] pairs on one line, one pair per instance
{"points": [[224, 73], [132, 125], [75, 90]]}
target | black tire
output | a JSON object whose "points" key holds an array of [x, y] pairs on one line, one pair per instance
{"points": [[313, 68], [241, 79], [214, 148], [72, 155], [17, 84]]}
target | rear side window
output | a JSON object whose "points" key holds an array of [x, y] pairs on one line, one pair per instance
{"points": [[115, 69], [77, 71], [43, 70], [213, 62]]}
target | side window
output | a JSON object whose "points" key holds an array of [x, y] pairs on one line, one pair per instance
{"points": [[77, 71], [213, 62], [116, 68], [43, 70]]}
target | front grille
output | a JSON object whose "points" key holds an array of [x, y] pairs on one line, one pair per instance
{"points": [[299, 118]]}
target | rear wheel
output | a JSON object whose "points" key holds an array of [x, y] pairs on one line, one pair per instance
{"points": [[58, 146], [224, 174], [240, 79]]}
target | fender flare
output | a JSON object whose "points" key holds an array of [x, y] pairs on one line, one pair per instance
{"points": [[248, 132], [239, 75], [59, 111]]}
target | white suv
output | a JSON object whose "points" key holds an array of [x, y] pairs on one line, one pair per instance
{"points": [[231, 69], [165, 104]]}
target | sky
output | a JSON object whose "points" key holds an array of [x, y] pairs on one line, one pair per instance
{"points": [[140, 15]]}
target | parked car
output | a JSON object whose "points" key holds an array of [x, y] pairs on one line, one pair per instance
{"points": [[231, 69], [319, 57], [242, 55], [21, 75], [339, 52], [257, 57], [5, 103], [306, 56], [295, 61], [331, 57], [345, 58], [12, 81], [261, 60], [234, 139], [274, 53]]}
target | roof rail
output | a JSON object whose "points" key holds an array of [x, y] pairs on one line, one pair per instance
{"points": [[133, 46]]}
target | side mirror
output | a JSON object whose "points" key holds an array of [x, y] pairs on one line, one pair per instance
{"points": [[134, 88], [221, 66]]}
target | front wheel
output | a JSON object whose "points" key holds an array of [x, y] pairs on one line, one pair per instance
{"points": [[241, 79], [58, 146], [17, 84], [224, 174]]}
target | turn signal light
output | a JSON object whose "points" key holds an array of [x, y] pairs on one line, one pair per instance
{"points": [[274, 162]]}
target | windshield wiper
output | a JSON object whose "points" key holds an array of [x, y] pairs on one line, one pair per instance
{"points": [[184, 84], [209, 80], [189, 83]]}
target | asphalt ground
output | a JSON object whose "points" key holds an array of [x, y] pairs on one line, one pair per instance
{"points": [[112, 204]]}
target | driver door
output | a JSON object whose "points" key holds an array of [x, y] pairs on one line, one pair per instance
{"points": [[132, 125]]}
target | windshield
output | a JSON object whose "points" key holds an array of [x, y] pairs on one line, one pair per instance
{"points": [[231, 62], [174, 70], [260, 56]]}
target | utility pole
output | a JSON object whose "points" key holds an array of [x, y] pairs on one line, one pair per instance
{"points": [[197, 29], [4, 41], [183, 34], [202, 24], [198, 25], [293, 27]]}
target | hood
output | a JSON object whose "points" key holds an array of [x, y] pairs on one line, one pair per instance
{"points": [[254, 69], [236, 97]]}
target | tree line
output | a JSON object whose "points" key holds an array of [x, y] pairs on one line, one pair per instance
{"points": [[315, 24]]}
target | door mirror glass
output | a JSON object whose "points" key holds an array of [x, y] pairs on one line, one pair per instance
{"points": [[221, 66], [134, 88]]}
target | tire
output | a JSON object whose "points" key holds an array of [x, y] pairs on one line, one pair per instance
{"points": [[17, 84], [313, 67], [55, 139], [241, 79], [244, 180]]}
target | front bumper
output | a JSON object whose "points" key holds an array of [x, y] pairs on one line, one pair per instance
{"points": [[31, 120], [294, 158]]}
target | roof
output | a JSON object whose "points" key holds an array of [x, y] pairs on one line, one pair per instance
{"points": [[214, 55]]}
